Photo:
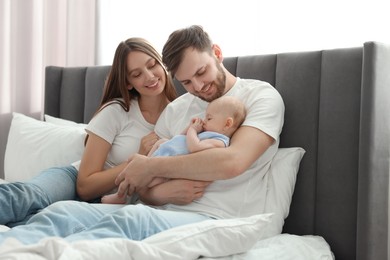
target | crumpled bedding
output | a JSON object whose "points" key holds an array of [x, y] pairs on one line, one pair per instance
{"points": [[249, 238], [283, 246]]}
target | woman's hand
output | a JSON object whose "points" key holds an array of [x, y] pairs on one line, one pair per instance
{"points": [[147, 143], [175, 191]]}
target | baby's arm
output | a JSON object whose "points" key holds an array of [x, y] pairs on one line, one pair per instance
{"points": [[193, 142]]}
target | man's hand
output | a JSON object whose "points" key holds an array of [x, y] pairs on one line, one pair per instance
{"points": [[135, 176], [174, 191]]}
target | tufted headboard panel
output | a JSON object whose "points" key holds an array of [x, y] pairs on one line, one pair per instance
{"points": [[74, 93], [337, 109]]}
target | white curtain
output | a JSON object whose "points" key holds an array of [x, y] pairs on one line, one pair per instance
{"points": [[34, 34]]}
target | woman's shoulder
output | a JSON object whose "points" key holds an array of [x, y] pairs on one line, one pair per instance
{"points": [[112, 111], [116, 106]]}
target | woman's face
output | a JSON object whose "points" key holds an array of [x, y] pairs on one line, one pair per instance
{"points": [[145, 74]]}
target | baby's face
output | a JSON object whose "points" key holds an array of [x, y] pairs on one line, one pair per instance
{"points": [[215, 119]]}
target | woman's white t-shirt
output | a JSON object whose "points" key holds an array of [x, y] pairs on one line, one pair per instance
{"points": [[123, 130]]}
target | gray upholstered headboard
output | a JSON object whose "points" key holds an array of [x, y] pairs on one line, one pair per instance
{"points": [[337, 109]]}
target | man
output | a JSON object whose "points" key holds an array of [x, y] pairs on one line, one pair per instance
{"points": [[237, 188]]}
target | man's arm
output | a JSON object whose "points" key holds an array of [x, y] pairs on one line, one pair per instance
{"points": [[173, 191], [247, 144]]}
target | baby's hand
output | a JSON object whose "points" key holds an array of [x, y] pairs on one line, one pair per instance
{"points": [[147, 143], [197, 124]]}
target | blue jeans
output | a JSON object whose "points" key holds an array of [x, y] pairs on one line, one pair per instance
{"points": [[20, 200], [75, 220]]}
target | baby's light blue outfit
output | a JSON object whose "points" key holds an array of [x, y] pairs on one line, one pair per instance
{"points": [[178, 144]]}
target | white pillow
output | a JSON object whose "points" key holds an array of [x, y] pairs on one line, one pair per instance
{"points": [[213, 238], [281, 183], [63, 122], [35, 145]]}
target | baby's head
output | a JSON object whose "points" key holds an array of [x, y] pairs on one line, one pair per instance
{"points": [[224, 115]]}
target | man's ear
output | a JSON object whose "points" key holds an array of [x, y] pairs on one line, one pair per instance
{"points": [[217, 52]]}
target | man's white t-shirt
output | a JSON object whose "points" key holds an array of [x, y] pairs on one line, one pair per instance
{"points": [[123, 130], [245, 194]]}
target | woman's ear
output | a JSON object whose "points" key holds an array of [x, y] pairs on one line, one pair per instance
{"points": [[129, 87]]}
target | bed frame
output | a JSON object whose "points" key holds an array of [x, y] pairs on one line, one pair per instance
{"points": [[337, 109]]}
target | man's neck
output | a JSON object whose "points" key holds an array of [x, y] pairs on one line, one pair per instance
{"points": [[230, 81]]}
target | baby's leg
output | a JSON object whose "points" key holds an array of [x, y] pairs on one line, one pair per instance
{"points": [[114, 199], [156, 181]]}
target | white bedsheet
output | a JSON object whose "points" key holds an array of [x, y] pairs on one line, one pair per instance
{"points": [[285, 247]]}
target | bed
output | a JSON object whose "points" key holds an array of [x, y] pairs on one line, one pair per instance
{"points": [[337, 113]]}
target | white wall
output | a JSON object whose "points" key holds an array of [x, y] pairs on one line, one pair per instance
{"points": [[246, 26]]}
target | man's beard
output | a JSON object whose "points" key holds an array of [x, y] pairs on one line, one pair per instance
{"points": [[219, 85]]}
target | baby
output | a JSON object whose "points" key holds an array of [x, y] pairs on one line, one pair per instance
{"points": [[223, 117]]}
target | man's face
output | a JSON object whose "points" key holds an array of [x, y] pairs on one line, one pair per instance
{"points": [[201, 75]]}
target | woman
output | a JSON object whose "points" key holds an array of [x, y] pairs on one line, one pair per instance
{"points": [[137, 90]]}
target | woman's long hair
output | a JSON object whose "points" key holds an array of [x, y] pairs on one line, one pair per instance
{"points": [[115, 88]]}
